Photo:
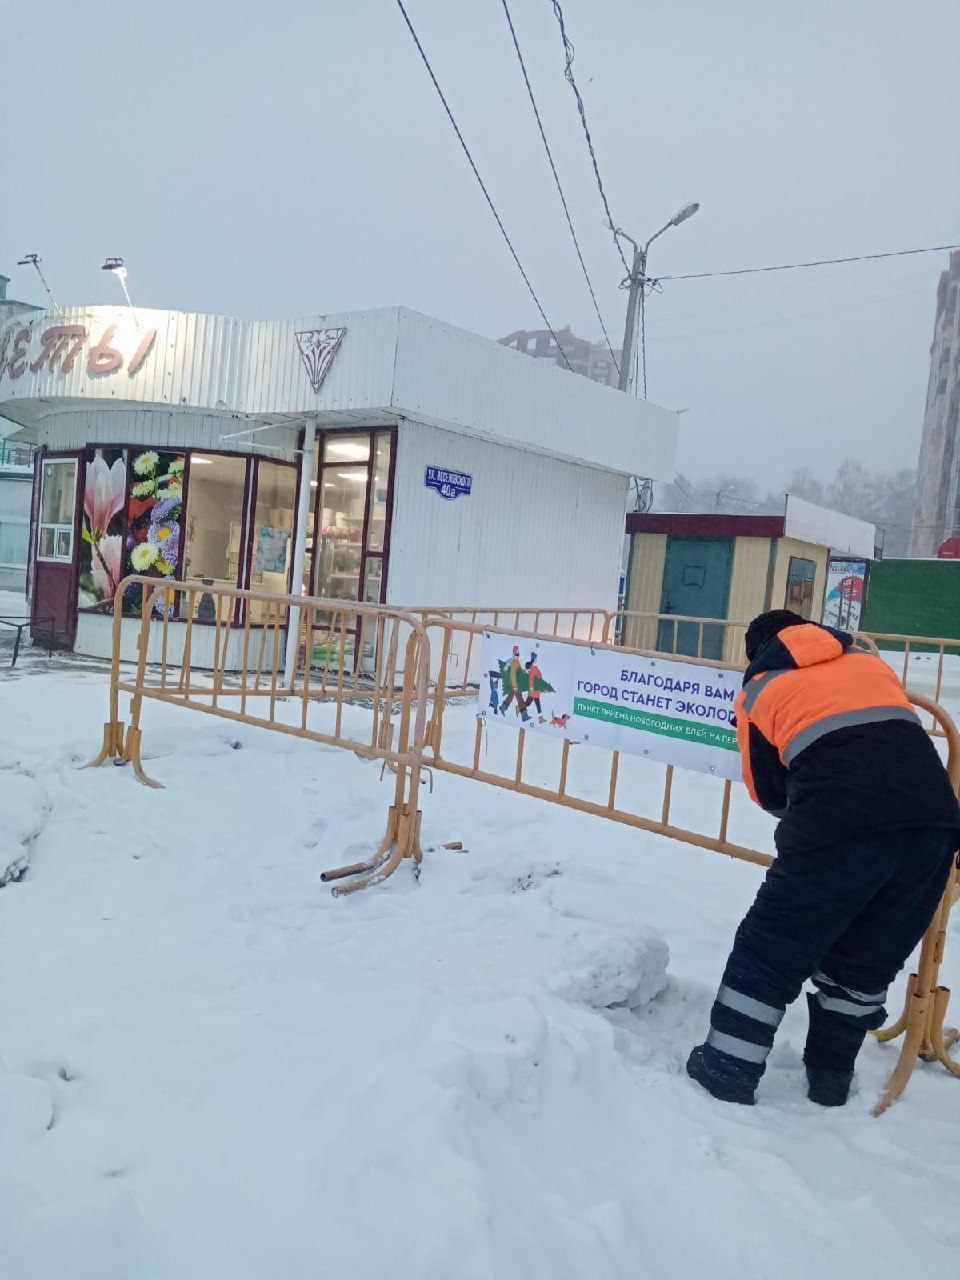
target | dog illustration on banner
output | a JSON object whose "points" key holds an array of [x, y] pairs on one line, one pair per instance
{"points": [[523, 686]]}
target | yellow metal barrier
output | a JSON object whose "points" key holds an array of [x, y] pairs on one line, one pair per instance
{"points": [[643, 631], [453, 675], [448, 636], [922, 1021], [348, 654], [379, 658]]}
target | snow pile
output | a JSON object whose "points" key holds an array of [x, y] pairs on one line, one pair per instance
{"points": [[211, 1068], [22, 809]]}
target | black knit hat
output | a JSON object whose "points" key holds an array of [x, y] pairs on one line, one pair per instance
{"points": [[766, 626]]}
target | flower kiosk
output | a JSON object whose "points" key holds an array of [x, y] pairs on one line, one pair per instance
{"points": [[374, 456]]}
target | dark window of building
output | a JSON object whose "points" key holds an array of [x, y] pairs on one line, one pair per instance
{"points": [[57, 497], [800, 580]]}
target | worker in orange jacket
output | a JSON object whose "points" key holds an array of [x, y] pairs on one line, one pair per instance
{"points": [[869, 825]]}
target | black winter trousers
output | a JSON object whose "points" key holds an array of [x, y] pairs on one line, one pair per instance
{"points": [[847, 917]]}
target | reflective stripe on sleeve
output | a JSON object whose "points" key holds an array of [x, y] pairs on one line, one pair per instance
{"points": [[768, 1014], [834, 1004], [842, 720], [737, 1048], [754, 689], [820, 979]]}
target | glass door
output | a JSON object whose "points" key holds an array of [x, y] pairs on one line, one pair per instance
{"points": [[340, 518], [54, 553], [347, 540]]}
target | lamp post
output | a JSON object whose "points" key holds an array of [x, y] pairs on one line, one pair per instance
{"points": [[638, 280], [721, 494], [31, 260], [115, 265]]}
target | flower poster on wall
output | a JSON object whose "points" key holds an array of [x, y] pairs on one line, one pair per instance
{"points": [[154, 521], [101, 546]]}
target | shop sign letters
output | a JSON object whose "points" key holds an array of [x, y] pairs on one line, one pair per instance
{"points": [[60, 347], [449, 484]]}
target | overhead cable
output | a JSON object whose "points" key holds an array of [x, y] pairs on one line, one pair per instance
{"points": [[483, 188], [820, 262], [556, 178], [569, 76]]}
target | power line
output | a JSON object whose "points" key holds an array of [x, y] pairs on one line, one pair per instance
{"points": [[820, 262], [476, 174], [568, 75], [556, 178], [850, 304]]}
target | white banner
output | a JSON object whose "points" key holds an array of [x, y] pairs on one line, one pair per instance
{"points": [[675, 712]]}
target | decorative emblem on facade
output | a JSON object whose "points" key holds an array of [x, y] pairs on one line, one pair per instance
{"points": [[317, 349]]}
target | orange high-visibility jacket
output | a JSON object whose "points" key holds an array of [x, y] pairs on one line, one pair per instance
{"points": [[830, 742]]}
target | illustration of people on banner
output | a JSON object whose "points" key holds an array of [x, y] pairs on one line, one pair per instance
{"points": [[673, 710], [522, 685]]}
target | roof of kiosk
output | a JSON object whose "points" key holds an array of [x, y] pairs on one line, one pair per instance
{"points": [[352, 369]]}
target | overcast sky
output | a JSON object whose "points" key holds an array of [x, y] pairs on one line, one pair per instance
{"points": [[270, 159]]}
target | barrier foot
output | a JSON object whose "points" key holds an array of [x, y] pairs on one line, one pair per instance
{"points": [[402, 840], [897, 1028], [113, 744], [916, 1017], [942, 1039], [359, 868], [131, 754]]}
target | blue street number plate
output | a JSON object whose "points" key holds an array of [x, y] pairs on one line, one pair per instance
{"points": [[449, 484]]}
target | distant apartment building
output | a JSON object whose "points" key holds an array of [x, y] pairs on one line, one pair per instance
{"points": [[937, 512], [590, 359]]}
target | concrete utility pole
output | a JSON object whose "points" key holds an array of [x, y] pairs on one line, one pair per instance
{"points": [[638, 273], [638, 280]]}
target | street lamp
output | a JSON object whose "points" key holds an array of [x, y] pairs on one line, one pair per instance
{"points": [[31, 260], [115, 265], [721, 494], [638, 280]]}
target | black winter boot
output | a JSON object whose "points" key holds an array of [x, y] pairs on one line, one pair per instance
{"points": [[833, 1042], [828, 1088], [720, 1076]]}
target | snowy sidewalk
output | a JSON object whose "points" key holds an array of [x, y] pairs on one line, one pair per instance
{"points": [[209, 1068]]}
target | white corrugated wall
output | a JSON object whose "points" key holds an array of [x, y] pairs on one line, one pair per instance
{"points": [[161, 429], [445, 375], [95, 640], [392, 363], [534, 531]]}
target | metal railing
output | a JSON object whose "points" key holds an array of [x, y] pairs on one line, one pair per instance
{"points": [[924, 1012], [375, 660], [449, 636], [349, 655]]}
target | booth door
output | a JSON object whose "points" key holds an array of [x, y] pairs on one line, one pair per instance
{"points": [[56, 551], [696, 584]]}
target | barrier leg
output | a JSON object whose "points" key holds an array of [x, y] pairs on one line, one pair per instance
{"points": [[132, 756], [912, 1044], [897, 1029], [402, 840], [942, 1039], [923, 1006], [113, 744]]}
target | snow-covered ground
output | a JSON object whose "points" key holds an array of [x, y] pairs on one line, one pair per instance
{"points": [[210, 1068], [13, 602]]}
